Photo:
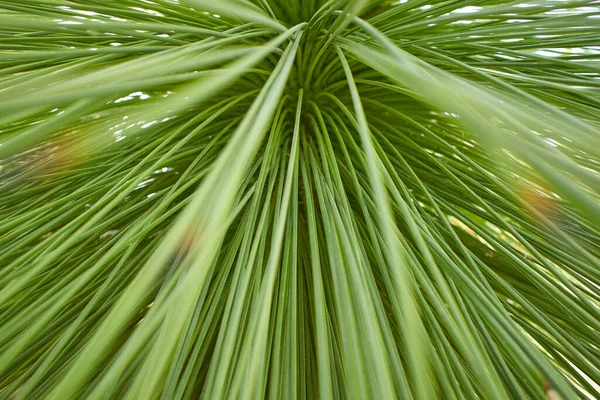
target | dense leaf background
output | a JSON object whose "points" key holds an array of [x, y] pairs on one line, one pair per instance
{"points": [[299, 199]]}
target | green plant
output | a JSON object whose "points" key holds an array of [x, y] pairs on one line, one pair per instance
{"points": [[284, 198]]}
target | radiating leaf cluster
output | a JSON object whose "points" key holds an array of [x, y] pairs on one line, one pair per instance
{"points": [[299, 199]]}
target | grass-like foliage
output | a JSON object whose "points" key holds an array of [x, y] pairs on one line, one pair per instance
{"points": [[299, 199]]}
